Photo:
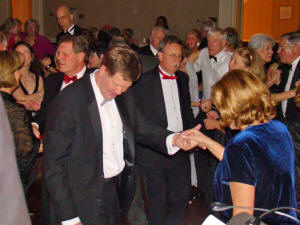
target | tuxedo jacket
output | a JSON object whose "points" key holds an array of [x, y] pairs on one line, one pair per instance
{"points": [[150, 100], [73, 154], [77, 31], [292, 112], [52, 87], [145, 50]]}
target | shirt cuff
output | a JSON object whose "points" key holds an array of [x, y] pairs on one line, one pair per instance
{"points": [[171, 149], [71, 221]]}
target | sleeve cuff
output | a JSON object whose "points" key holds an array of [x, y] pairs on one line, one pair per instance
{"points": [[71, 221], [171, 149]]}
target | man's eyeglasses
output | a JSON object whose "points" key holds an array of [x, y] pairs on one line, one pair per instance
{"points": [[173, 56]]}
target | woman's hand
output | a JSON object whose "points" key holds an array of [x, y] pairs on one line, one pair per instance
{"points": [[273, 75]]}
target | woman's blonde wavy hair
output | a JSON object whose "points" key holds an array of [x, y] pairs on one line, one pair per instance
{"points": [[10, 61], [242, 99]]}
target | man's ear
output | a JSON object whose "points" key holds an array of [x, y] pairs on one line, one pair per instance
{"points": [[160, 55], [72, 17]]}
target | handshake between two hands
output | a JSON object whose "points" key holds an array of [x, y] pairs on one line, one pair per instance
{"points": [[189, 139]]}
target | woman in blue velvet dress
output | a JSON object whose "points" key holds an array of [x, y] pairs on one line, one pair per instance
{"points": [[256, 167]]}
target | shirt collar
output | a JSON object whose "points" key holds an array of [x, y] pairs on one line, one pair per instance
{"points": [[221, 54], [81, 73], [295, 63], [71, 30], [154, 51], [162, 70]]}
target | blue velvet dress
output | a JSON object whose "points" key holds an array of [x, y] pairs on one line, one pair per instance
{"points": [[262, 156]]}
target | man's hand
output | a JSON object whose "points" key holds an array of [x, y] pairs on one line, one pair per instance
{"points": [[183, 141], [36, 131]]}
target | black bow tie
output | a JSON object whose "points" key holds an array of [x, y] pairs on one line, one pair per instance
{"points": [[213, 57]]}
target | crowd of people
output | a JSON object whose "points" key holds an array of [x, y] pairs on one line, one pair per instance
{"points": [[118, 124]]}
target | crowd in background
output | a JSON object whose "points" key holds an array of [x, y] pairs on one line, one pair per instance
{"points": [[214, 61]]}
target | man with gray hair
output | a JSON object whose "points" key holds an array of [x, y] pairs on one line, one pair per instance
{"points": [[157, 34], [213, 61], [289, 52]]}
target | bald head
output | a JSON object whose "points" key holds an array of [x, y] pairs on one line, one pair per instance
{"points": [[65, 17]]}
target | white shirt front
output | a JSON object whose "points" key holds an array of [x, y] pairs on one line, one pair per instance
{"points": [[154, 50], [112, 133], [71, 30], [212, 71], [289, 82], [79, 75]]}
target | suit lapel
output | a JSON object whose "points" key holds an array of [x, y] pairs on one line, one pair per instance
{"points": [[94, 116], [160, 106], [128, 138]]}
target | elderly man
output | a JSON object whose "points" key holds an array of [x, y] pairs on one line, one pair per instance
{"points": [[65, 19], [148, 53], [90, 140], [163, 96], [213, 61], [289, 52]]}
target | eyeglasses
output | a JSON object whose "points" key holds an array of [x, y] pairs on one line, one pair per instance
{"points": [[173, 56], [284, 46]]}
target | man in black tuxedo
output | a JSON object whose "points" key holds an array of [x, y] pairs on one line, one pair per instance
{"points": [[89, 140], [72, 56], [163, 96], [65, 19], [148, 53], [289, 52]]}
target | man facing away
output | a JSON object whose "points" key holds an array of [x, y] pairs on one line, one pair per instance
{"points": [[89, 140]]}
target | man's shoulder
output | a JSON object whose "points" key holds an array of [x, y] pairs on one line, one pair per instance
{"points": [[145, 50]]}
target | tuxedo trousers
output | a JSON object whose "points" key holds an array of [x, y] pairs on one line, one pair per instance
{"points": [[168, 191]]}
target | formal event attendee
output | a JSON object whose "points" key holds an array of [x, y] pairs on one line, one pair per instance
{"points": [[128, 36], [3, 42], [162, 21], [289, 52], [40, 44], [157, 34], [206, 26], [263, 45], [11, 28], [65, 19], [96, 51], [25, 148], [264, 174], [14, 211], [213, 61], [90, 140], [71, 57], [193, 40], [167, 185], [232, 39], [31, 85]]}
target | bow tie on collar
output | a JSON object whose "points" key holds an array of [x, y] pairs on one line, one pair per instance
{"points": [[213, 57], [167, 77], [68, 79]]}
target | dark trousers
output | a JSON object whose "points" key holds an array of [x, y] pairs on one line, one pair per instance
{"points": [[109, 211], [168, 192]]}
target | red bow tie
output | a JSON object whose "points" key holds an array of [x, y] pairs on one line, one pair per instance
{"points": [[166, 77], [67, 79]]}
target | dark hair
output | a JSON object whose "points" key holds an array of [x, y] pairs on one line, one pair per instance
{"points": [[124, 60], [128, 32], [37, 25], [35, 65], [99, 47], [170, 39], [104, 36], [232, 39], [79, 44], [165, 22], [10, 23]]}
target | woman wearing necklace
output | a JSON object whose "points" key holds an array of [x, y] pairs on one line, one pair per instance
{"points": [[31, 89]]}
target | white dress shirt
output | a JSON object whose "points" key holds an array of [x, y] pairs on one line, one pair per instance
{"points": [[113, 161], [289, 82], [79, 75], [212, 71], [154, 50], [70, 30]]}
